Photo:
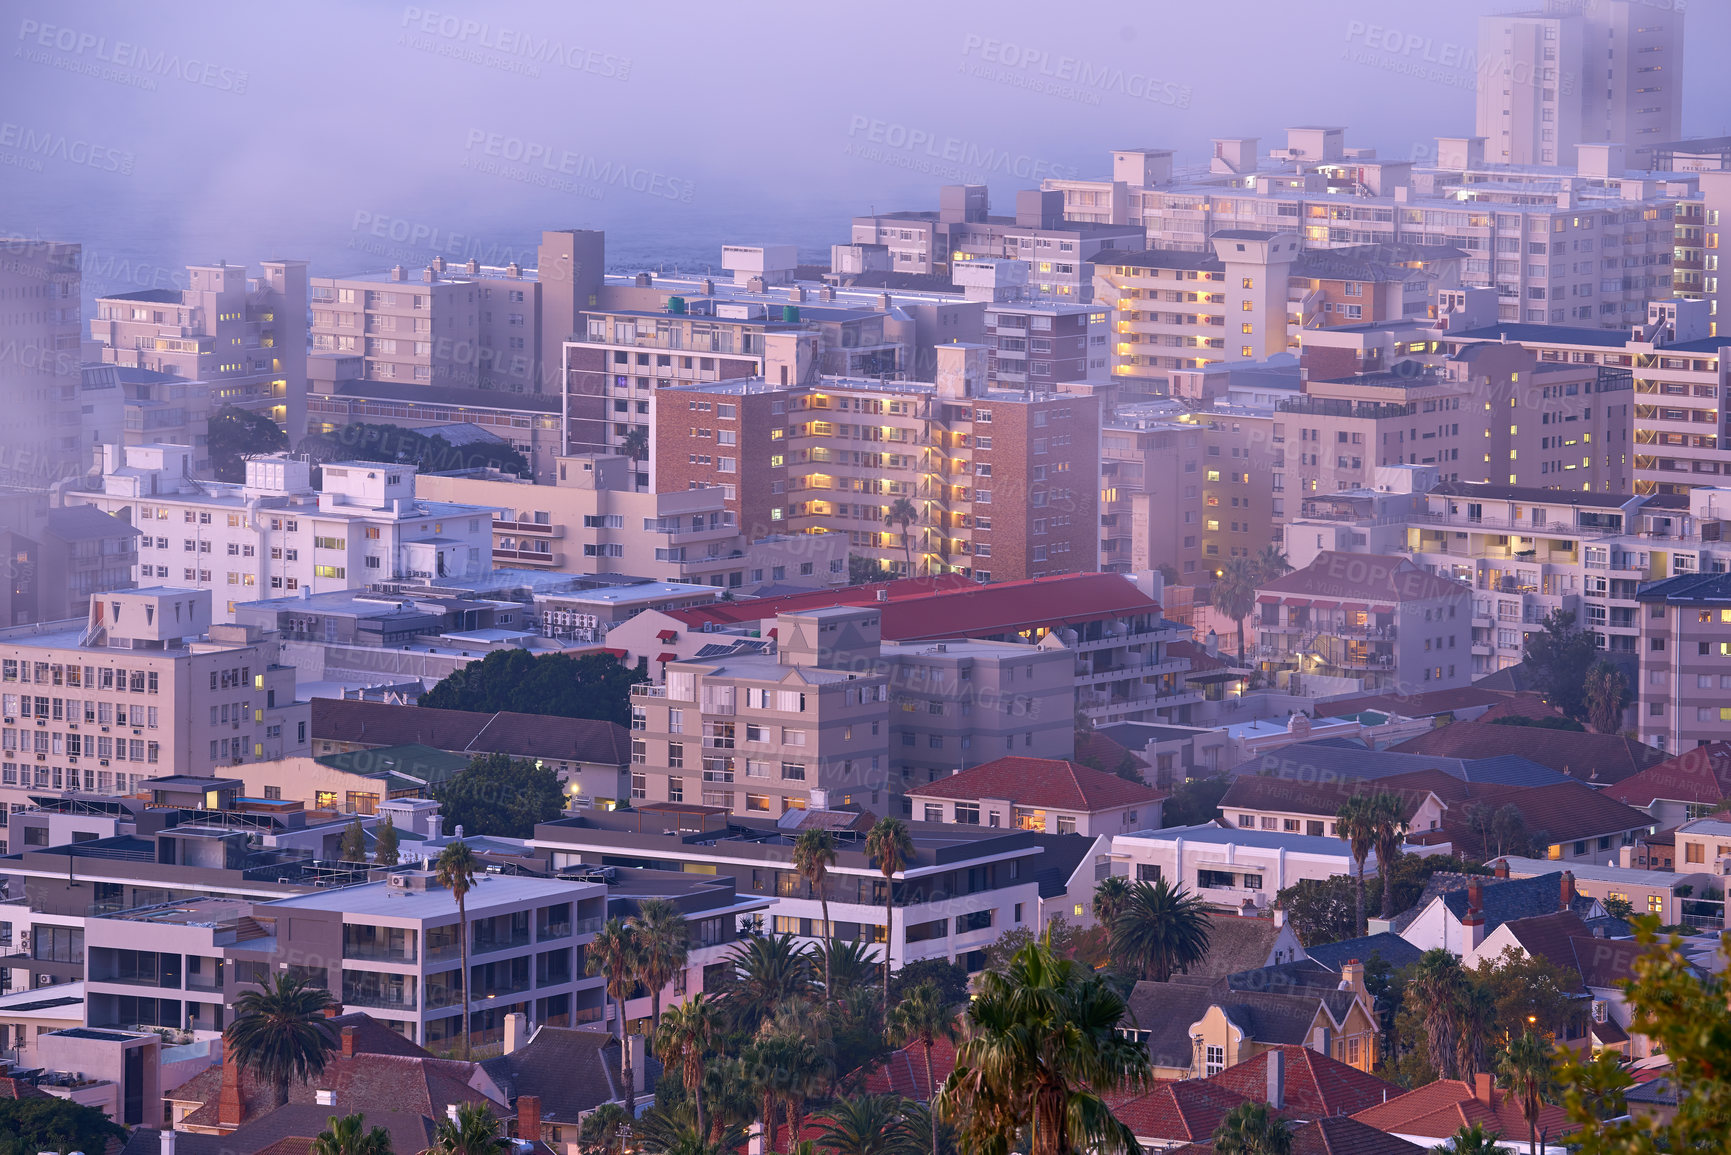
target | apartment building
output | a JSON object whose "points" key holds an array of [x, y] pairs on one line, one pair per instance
{"points": [[1685, 642], [1151, 502], [1377, 622], [592, 518], [951, 449], [40, 283], [1039, 346], [155, 687], [1230, 868], [1052, 796], [1540, 92], [58, 556], [276, 532], [1606, 237], [1057, 251], [960, 890], [245, 336]]}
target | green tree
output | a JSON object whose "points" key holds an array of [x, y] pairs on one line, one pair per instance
{"points": [[1604, 696], [603, 1130], [1234, 594], [234, 434], [344, 1136], [663, 947], [1161, 930], [1089, 947], [1558, 657], [280, 1032], [864, 1125], [500, 795], [1040, 1047], [904, 513], [1437, 988], [354, 843], [592, 685], [366, 441], [1195, 802], [1271, 562], [1473, 1140], [892, 847], [1389, 827], [1111, 894], [922, 1017], [616, 953], [813, 855], [767, 970], [28, 1126], [683, 1041], [1527, 1069], [1320, 910], [385, 851], [849, 965], [455, 870], [1355, 824], [1252, 1129], [1526, 988], [636, 447], [867, 571], [1412, 871], [475, 1131], [950, 978]]}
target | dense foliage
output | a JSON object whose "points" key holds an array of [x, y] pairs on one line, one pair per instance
{"points": [[362, 441], [592, 685], [28, 1126], [501, 796], [234, 434]]}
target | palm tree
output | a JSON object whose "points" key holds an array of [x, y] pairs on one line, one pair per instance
{"points": [[602, 1130], [455, 870], [1437, 984], [813, 855], [1272, 563], [1109, 899], [1162, 929], [1605, 693], [1388, 813], [768, 970], [1252, 1129], [344, 1137], [1473, 1140], [904, 513], [616, 953], [475, 1131], [1234, 594], [893, 847], [683, 1041], [802, 1072], [848, 966], [1040, 1046], [922, 1018], [636, 446], [664, 946], [864, 1125], [1355, 824], [280, 1033], [1526, 1070]]}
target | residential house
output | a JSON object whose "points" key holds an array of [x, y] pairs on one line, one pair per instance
{"points": [[1050, 795], [1231, 869], [1430, 1114], [1457, 911], [1688, 785], [1599, 759], [560, 1075], [1670, 895]]}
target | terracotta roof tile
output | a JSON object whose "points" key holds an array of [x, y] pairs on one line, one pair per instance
{"points": [[1346, 1136], [1181, 1112], [1598, 758], [1314, 1085], [1384, 577], [1702, 774], [1046, 783], [904, 1071], [1437, 1110]]}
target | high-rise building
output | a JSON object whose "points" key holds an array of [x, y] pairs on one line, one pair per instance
{"points": [[39, 373], [1578, 72], [245, 336]]}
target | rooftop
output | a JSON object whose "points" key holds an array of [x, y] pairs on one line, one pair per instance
{"points": [[436, 903], [1209, 834], [1046, 783]]}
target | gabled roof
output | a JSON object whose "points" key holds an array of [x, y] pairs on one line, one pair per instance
{"points": [[1702, 774], [1040, 783], [470, 732], [1388, 946], [1341, 1135], [573, 1070], [1597, 758], [1235, 944], [1342, 759], [903, 1072], [1182, 1112], [292, 1128], [1314, 1086], [1505, 899], [1061, 855], [1365, 576], [1261, 792], [1437, 1110], [1096, 748], [87, 523]]}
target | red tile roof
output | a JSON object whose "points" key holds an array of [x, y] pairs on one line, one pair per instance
{"points": [[360, 723], [922, 609], [1314, 1085], [1437, 1110], [1181, 1112], [1344, 1136], [1597, 758], [1045, 783], [904, 1071], [1702, 774], [1367, 577]]}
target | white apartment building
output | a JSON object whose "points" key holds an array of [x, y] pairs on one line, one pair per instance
{"points": [[148, 686], [39, 306], [1229, 868], [246, 337], [277, 534]]}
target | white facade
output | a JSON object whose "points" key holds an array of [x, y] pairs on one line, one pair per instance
{"points": [[1226, 868]]}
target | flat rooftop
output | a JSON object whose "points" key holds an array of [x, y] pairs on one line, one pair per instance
{"points": [[1211, 835], [205, 912], [489, 891], [1527, 867]]}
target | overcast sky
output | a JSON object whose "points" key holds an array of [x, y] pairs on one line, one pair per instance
{"points": [[169, 133]]}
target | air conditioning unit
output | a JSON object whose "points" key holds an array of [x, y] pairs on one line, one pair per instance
{"points": [[1722, 866], [102, 761], [44, 980], [23, 937], [398, 882]]}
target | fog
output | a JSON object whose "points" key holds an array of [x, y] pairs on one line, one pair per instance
{"points": [[357, 135]]}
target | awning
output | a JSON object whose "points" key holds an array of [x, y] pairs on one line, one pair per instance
{"points": [[1382, 609], [667, 656], [667, 635], [1323, 604], [617, 653], [1268, 600], [1297, 603], [1354, 607]]}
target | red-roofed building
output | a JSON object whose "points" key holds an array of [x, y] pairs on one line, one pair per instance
{"points": [[1380, 621], [1304, 1084], [1435, 1111], [1686, 786], [904, 1071], [1175, 1113], [1050, 795]]}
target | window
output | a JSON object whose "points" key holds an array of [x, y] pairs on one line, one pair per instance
{"points": [[1214, 1061]]}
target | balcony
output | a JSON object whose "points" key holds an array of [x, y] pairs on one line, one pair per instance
{"points": [[526, 555], [534, 527]]}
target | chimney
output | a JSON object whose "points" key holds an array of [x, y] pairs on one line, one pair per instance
{"points": [[451, 1112], [348, 1042], [529, 1118], [1473, 925], [1352, 976], [1276, 1078], [230, 1107], [1482, 1087], [1501, 870], [1568, 894], [516, 1028], [165, 1143]]}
